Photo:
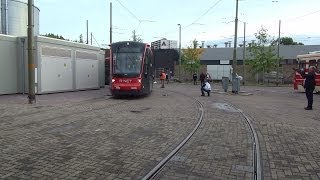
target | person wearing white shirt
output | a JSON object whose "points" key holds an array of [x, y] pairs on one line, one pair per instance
{"points": [[206, 87]]}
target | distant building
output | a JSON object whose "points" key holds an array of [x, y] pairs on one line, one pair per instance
{"points": [[219, 60], [165, 59], [164, 44], [224, 56]]}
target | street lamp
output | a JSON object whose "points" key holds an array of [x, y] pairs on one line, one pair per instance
{"points": [[278, 62], [234, 61], [244, 52], [278, 53], [179, 52]]}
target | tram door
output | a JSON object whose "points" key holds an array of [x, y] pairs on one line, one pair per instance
{"points": [[147, 74]]}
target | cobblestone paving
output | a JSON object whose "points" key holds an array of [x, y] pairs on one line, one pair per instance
{"points": [[289, 136], [102, 139], [220, 149]]}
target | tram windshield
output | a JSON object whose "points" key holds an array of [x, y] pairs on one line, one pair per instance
{"points": [[127, 61]]}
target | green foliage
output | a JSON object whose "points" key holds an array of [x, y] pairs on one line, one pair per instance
{"points": [[51, 35], [81, 38], [191, 58], [262, 56], [289, 41], [135, 37], [56, 36]]}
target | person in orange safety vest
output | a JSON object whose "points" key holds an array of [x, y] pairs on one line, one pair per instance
{"points": [[162, 78]]}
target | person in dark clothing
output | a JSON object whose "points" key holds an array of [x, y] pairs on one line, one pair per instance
{"points": [[167, 78], [195, 77], [309, 85], [202, 78]]}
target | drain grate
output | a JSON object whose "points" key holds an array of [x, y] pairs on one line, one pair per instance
{"points": [[178, 158]]}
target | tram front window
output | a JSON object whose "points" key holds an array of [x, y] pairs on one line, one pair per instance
{"points": [[127, 63]]}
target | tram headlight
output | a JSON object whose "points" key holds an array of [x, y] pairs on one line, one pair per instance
{"points": [[113, 80], [139, 80]]}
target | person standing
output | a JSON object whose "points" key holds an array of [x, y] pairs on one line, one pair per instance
{"points": [[162, 78], [195, 77], [206, 87], [309, 85], [202, 78], [167, 78]]}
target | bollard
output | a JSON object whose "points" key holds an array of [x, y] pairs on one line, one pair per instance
{"points": [[225, 83], [236, 85]]}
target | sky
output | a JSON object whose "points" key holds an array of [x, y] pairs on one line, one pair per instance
{"points": [[211, 21]]}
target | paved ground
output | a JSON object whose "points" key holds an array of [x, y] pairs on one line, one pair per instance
{"points": [[87, 135], [289, 135], [102, 138], [220, 149]]}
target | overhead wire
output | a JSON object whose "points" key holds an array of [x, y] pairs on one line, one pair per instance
{"points": [[298, 17], [132, 14], [202, 15], [196, 20]]}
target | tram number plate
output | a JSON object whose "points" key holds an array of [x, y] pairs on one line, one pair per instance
{"points": [[133, 87], [117, 87]]}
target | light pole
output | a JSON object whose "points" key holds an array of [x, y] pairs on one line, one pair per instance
{"points": [[278, 54], [110, 22], [31, 63], [234, 60], [179, 52], [244, 51]]}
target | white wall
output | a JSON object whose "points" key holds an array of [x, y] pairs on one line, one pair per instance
{"points": [[67, 66], [8, 65], [219, 71]]}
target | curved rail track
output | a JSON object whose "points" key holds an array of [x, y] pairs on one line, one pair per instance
{"points": [[164, 161], [256, 164]]}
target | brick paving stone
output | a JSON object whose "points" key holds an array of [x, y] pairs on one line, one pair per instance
{"points": [[289, 136], [221, 147], [69, 136], [106, 138]]}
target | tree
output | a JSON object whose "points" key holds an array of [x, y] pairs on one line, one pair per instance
{"points": [[51, 35], [289, 41], [135, 37], [191, 58], [81, 38], [262, 56]]}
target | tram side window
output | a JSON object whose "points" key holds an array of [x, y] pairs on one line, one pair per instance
{"points": [[147, 58], [147, 62], [312, 63], [302, 64]]}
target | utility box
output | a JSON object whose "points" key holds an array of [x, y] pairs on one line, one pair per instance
{"points": [[236, 85], [225, 83]]}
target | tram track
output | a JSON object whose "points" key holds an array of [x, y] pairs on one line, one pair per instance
{"points": [[158, 168], [256, 155], [256, 164]]}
